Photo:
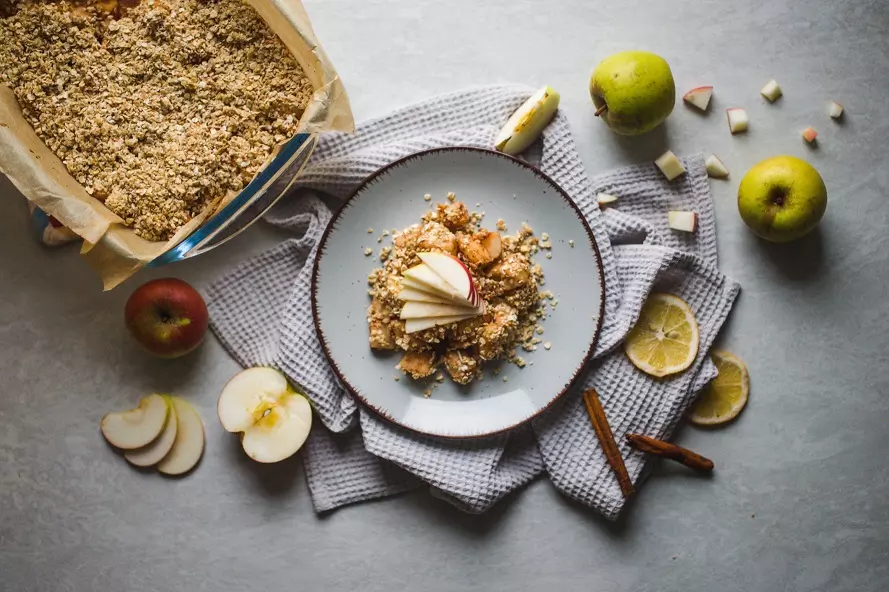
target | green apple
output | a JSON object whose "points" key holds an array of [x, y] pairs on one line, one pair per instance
{"points": [[782, 198], [633, 91]]}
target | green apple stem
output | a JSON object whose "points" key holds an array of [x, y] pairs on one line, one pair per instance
{"points": [[601, 110]]}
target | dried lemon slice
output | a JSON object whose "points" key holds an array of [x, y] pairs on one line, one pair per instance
{"points": [[726, 395], [665, 339]]}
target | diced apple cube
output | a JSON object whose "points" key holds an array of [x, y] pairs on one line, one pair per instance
{"points": [[684, 221], [737, 120], [771, 91], [670, 165], [835, 110], [810, 134], [699, 97], [715, 168]]}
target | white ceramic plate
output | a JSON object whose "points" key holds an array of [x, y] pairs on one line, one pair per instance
{"points": [[392, 198]]}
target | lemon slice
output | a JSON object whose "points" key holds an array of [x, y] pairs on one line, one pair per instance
{"points": [[665, 339], [726, 395]]}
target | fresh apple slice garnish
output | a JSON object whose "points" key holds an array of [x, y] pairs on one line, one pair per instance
{"points": [[810, 134], [684, 221], [699, 97], [421, 310], [737, 120], [493, 244], [273, 419], [670, 165], [452, 271], [528, 122], [414, 295], [153, 453], [715, 168], [189, 443], [137, 427], [771, 91], [423, 276], [605, 198], [835, 110], [414, 325]]}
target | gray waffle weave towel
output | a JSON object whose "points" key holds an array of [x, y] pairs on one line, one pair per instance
{"points": [[261, 312]]}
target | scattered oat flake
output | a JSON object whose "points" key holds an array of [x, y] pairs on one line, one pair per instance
{"points": [[427, 197], [547, 345], [506, 379], [385, 233], [368, 251], [544, 236], [451, 196], [501, 224], [571, 244], [370, 231], [549, 255], [396, 378]]}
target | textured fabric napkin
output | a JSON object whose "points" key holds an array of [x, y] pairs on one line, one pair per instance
{"points": [[261, 312]]}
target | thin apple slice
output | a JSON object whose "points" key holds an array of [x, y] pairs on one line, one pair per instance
{"points": [[528, 122], [189, 444], [414, 325], [737, 120], [699, 97], [670, 165], [273, 419], [421, 310], [771, 91], [684, 221], [715, 168], [430, 281], [414, 295], [456, 275], [137, 427], [153, 453]]}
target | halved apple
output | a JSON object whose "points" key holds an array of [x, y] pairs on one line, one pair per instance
{"points": [[273, 419], [137, 427], [189, 443], [414, 325], [421, 310], [528, 122], [456, 275], [153, 453]]}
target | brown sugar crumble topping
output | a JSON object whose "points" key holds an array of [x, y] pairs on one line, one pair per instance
{"points": [[159, 108], [506, 278]]}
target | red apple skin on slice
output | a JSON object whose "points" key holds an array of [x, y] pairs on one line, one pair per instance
{"points": [[423, 278], [453, 272]]}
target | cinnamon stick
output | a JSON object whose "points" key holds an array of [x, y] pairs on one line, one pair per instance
{"points": [[606, 438], [682, 455]]}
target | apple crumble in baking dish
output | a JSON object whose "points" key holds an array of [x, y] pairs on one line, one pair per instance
{"points": [[454, 295], [159, 108]]}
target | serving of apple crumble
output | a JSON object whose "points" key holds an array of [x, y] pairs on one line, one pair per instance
{"points": [[158, 108], [437, 327]]}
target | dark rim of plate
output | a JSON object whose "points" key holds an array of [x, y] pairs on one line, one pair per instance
{"points": [[405, 160]]}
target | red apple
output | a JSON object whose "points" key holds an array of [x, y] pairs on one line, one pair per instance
{"points": [[167, 317]]}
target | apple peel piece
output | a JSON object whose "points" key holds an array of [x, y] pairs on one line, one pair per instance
{"points": [[273, 419], [156, 451], [189, 444], [737, 120], [137, 427], [771, 91], [525, 125], [670, 165], [810, 134], [683, 221], [835, 110], [605, 199], [715, 168], [699, 97]]}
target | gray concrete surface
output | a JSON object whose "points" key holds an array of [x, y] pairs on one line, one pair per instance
{"points": [[798, 501]]}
